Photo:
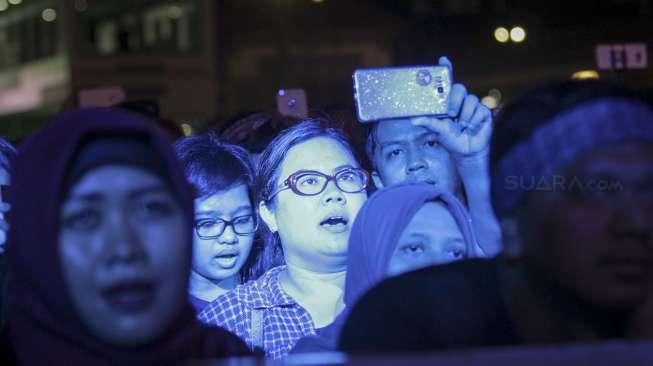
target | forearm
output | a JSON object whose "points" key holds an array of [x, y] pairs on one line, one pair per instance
{"points": [[474, 174]]}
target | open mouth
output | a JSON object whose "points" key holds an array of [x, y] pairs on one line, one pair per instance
{"points": [[336, 224], [130, 297], [226, 260]]}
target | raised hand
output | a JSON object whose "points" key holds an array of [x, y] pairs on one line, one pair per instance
{"points": [[467, 128]]}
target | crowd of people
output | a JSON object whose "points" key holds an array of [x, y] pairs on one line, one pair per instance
{"points": [[122, 245]]}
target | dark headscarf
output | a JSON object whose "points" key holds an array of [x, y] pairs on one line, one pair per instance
{"points": [[43, 325]]}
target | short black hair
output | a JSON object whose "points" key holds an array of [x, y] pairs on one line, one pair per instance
{"points": [[212, 165]]}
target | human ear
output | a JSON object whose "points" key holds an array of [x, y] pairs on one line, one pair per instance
{"points": [[268, 217], [376, 178]]}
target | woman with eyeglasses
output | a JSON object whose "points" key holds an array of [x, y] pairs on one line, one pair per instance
{"points": [[310, 188], [399, 229], [225, 222]]}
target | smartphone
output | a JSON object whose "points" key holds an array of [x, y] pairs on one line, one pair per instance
{"points": [[101, 97], [292, 103], [400, 92]]}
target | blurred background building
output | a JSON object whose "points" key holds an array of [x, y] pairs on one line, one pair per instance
{"points": [[206, 60]]}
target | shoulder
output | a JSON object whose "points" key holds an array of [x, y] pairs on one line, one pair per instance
{"points": [[236, 304], [440, 303]]}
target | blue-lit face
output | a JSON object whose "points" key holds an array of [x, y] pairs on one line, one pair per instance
{"points": [[432, 237], [314, 230], [123, 248], [222, 257], [405, 152]]}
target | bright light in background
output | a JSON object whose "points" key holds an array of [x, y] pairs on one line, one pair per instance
{"points": [[175, 12], [15, 2], [489, 101], [501, 35], [317, 1], [492, 99], [585, 75], [81, 5], [49, 15], [186, 129], [3, 5], [517, 34], [495, 93]]}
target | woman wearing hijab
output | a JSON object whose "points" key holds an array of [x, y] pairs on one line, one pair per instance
{"points": [[100, 250], [399, 229]]}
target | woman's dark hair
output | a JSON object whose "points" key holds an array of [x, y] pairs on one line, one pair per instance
{"points": [[212, 166], [268, 175]]}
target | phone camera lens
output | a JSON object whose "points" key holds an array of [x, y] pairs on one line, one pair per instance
{"points": [[424, 77]]}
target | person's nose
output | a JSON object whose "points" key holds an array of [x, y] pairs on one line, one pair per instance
{"points": [[414, 161], [333, 195], [228, 236], [121, 240]]}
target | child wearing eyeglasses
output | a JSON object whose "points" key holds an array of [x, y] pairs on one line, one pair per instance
{"points": [[225, 221], [310, 188]]}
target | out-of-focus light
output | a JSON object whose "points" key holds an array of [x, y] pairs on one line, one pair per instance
{"points": [[317, 1], [490, 101], [501, 34], [81, 5], [585, 74], [517, 34], [49, 15], [3, 5], [495, 93], [175, 12], [15, 2], [186, 129]]}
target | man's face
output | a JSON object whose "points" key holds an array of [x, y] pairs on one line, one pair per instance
{"points": [[596, 237], [404, 152]]}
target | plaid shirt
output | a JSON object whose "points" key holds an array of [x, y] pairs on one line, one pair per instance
{"points": [[284, 320]]}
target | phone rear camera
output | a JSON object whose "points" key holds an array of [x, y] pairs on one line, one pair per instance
{"points": [[424, 77]]}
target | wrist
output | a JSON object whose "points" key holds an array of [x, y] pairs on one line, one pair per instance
{"points": [[478, 161]]}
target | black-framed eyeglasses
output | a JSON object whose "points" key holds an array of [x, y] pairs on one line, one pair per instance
{"points": [[213, 228], [311, 182]]}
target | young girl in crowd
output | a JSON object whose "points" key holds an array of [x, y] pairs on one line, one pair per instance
{"points": [[310, 188], [399, 229], [103, 276], [225, 219]]}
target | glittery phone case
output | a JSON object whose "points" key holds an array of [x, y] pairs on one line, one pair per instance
{"points": [[396, 92]]}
